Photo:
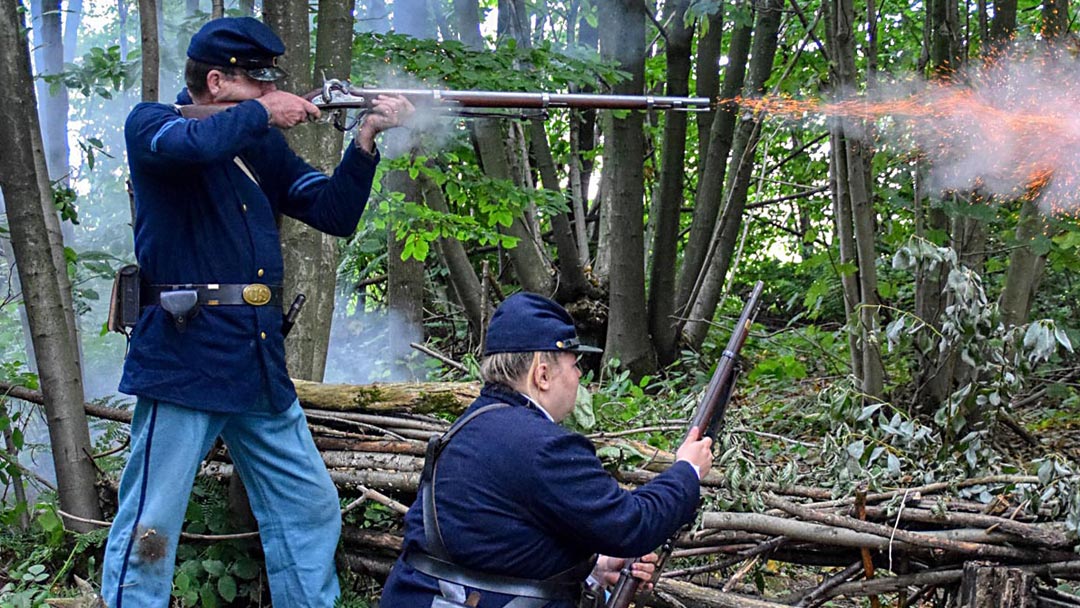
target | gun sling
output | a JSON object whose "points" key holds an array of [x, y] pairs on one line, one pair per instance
{"points": [[436, 562]]}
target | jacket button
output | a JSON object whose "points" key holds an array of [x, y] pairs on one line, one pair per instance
{"points": [[261, 272], [243, 207], [262, 335]]}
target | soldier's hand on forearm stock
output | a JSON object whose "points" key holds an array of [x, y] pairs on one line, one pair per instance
{"points": [[387, 112], [287, 110], [696, 451], [607, 569]]}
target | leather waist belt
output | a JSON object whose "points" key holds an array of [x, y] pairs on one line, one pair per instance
{"points": [[219, 294], [560, 588]]}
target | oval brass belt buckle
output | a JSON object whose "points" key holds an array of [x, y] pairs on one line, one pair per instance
{"points": [[256, 294]]}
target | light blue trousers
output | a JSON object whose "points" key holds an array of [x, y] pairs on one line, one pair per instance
{"points": [[290, 491]]}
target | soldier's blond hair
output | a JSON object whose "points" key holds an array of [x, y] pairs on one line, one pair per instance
{"points": [[510, 368]]}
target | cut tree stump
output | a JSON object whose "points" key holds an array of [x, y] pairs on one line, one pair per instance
{"points": [[985, 585]]}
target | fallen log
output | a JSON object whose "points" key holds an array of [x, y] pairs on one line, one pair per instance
{"points": [[1049, 535], [369, 539], [928, 541], [414, 397]]}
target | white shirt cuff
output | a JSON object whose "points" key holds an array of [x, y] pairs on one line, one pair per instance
{"points": [[697, 469]]}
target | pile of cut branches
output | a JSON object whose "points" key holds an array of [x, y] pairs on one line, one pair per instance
{"points": [[912, 546]]}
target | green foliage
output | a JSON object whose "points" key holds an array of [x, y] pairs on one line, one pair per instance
{"points": [[43, 556], [101, 72], [217, 573], [481, 206], [1000, 358], [383, 58]]}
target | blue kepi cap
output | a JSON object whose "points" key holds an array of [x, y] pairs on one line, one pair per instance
{"points": [[241, 42], [527, 322]]}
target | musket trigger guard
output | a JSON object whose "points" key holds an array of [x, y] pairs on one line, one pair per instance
{"points": [[343, 123]]}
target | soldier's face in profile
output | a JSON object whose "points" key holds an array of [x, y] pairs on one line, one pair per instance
{"points": [[564, 377]]}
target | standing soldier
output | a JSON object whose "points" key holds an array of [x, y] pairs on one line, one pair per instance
{"points": [[207, 356]]}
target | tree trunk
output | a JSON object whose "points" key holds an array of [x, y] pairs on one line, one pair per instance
{"points": [[72, 20], [405, 285], [414, 18], [24, 182], [715, 269], [151, 54], [512, 21], [670, 193], [572, 281], [376, 19], [530, 265], [711, 186], [708, 80], [1025, 266], [52, 114], [627, 335], [311, 256], [49, 55], [845, 237], [466, 284], [15, 478], [852, 164], [1017, 294], [1003, 25], [122, 27]]}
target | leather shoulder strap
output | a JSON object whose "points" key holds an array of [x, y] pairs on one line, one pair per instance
{"points": [[432, 533]]}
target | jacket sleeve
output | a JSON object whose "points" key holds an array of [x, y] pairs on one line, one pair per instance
{"points": [[331, 204], [158, 136], [576, 497]]}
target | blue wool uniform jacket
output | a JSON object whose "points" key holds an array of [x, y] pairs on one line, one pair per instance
{"points": [[201, 218], [519, 495]]}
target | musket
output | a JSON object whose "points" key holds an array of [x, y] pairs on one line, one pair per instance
{"points": [[335, 97], [709, 417]]}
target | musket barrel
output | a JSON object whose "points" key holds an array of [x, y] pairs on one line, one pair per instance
{"points": [[509, 99]]}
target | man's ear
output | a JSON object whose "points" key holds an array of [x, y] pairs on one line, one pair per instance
{"points": [[541, 373], [214, 80]]}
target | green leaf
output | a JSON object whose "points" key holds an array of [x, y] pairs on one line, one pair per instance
{"points": [[583, 414], [856, 449], [213, 567], [49, 522], [207, 596], [1046, 472], [246, 569], [868, 411], [226, 587]]}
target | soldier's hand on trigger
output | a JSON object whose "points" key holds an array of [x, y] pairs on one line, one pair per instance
{"points": [[696, 451], [287, 110]]}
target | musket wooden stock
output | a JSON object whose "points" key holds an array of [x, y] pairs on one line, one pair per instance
{"points": [[708, 418]]}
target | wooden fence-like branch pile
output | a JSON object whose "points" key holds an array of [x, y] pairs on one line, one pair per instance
{"points": [[904, 545]]}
